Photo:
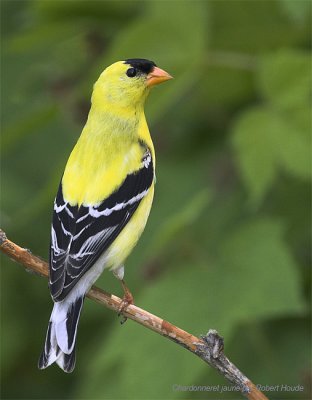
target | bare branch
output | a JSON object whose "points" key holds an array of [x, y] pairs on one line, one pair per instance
{"points": [[209, 347]]}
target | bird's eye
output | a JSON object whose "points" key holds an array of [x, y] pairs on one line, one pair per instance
{"points": [[131, 72]]}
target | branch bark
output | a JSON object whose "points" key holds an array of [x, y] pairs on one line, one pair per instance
{"points": [[208, 347]]}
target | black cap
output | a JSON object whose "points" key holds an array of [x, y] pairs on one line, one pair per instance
{"points": [[141, 64]]}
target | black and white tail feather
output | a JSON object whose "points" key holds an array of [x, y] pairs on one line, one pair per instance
{"points": [[79, 238], [60, 343]]}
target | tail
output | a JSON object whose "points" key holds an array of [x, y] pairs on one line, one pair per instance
{"points": [[61, 336]]}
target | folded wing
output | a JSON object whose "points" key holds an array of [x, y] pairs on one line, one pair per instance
{"points": [[80, 235]]}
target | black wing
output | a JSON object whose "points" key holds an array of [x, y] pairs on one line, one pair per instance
{"points": [[80, 235]]}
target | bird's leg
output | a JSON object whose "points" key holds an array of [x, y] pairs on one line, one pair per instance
{"points": [[126, 301], [127, 298]]}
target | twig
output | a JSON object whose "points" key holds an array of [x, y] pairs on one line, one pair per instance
{"points": [[209, 347]]}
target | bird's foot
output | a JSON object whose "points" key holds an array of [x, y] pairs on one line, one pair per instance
{"points": [[126, 301]]}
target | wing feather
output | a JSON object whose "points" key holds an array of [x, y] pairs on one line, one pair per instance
{"points": [[79, 235]]}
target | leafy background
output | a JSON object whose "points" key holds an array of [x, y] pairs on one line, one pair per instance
{"points": [[227, 242]]}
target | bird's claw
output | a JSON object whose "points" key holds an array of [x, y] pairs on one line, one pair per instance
{"points": [[126, 301]]}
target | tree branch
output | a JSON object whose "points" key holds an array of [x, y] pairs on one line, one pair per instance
{"points": [[209, 347]]}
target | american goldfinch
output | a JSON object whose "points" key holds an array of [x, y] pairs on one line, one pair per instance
{"points": [[103, 200]]}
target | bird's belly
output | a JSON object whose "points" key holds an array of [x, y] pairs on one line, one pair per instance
{"points": [[128, 237]]}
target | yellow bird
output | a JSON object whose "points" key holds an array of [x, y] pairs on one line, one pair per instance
{"points": [[103, 201]]}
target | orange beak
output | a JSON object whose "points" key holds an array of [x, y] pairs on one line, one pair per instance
{"points": [[157, 76]]}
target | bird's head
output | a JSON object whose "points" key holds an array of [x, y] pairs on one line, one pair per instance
{"points": [[127, 83]]}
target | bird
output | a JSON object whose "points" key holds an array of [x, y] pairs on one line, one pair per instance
{"points": [[103, 200]]}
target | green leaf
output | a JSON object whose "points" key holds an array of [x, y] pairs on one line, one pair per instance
{"points": [[178, 222], [253, 277], [255, 255], [267, 141], [297, 10], [284, 78], [294, 140], [254, 145]]}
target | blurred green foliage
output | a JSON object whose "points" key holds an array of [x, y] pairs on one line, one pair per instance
{"points": [[227, 243]]}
